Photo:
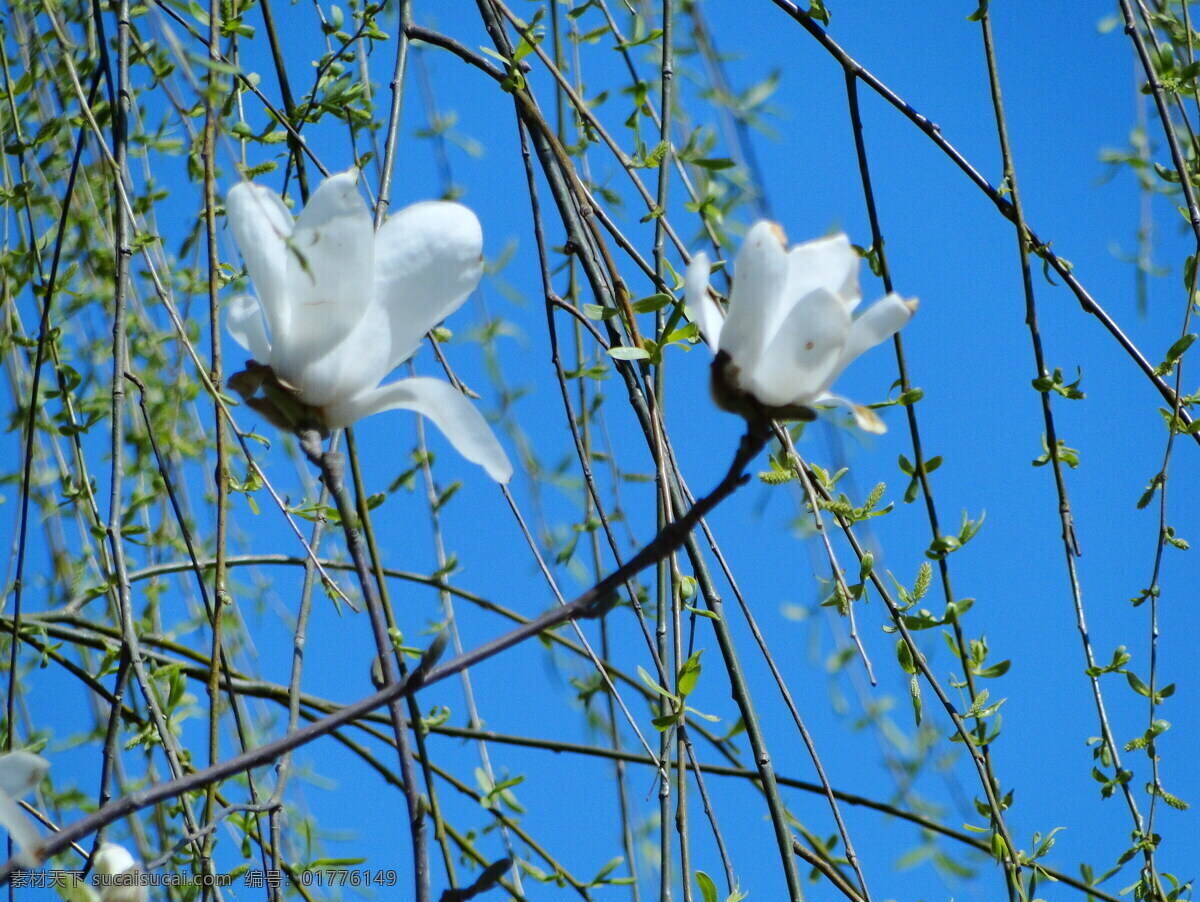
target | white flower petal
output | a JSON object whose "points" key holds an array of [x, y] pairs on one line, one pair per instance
{"points": [[20, 829], [864, 417], [244, 322], [829, 263], [261, 226], [757, 305], [704, 309], [450, 411], [20, 772], [347, 369], [113, 859], [358, 303], [881, 321], [800, 362], [329, 266], [428, 260]]}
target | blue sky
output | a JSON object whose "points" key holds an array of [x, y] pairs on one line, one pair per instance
{"points": [[1069, 93]]}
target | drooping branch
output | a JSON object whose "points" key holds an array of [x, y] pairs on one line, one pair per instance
{"points": [[592, 603]]}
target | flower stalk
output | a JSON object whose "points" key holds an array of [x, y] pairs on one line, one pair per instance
{"points": [[332, 465], [595, 602]]}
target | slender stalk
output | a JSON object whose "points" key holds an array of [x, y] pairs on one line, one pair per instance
{"points": [[995, 809], [1069, 538], [919, 459], [622, 44], [299, 640], [295, 144], [1182, 165], [414, 713], [220, 597], [592, 603], [381, 616], [581, 451], [669, 601], [433, 492], [122, 237], [741, 696], [393, 130], [1041, 246], [832, 874], [314, 705], [332, 467], [563, 183], [218, 660], [739, 137], [584, 450], [9, 738], [805, 736]]}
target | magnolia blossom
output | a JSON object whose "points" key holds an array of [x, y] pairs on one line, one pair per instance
{"points": [[116, 874], [20, 773], [340, 305], [789, 332], [115, 877]]}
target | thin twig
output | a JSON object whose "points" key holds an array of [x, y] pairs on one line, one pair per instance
{"points": [[332, 466], [1040, 246], [274, 692], [592, 603]]}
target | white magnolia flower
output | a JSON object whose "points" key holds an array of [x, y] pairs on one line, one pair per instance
{"points": [[789, 332], [20, 773], [116, 874], [115, 878], [340, 305]]}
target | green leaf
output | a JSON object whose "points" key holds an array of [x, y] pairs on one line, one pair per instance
{"points": [[666, 721], [1176, 351], [1147, 496], [596, 311], [652, 303], [715, 164], [999, 847], [689, 673], [654, 157], [979, 13], [708, 889], [326, 863], [607, 869], [1136, 684], [819, 12], [996, 670], [626, 353], [653, 684]]}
